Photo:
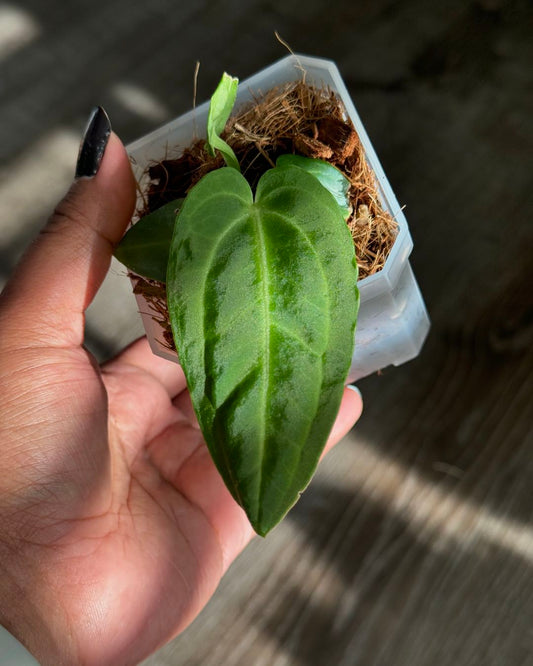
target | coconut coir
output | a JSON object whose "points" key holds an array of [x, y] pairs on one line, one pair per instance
{"points": [[293, 118]]}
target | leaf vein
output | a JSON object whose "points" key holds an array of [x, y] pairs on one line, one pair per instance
{"points": [[300, 231], [291, 334], [217, 195]]}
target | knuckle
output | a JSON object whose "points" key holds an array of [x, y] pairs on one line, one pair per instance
{"points": [[69, 215]]}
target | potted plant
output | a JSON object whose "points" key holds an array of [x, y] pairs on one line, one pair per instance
{"points": [[243, 261]]}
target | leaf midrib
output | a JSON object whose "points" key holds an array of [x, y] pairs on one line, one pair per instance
{"points": [[266, 360], [288, 221]]}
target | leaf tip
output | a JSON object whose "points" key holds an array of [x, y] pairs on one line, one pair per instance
{"points": [[230, 80], [261, 530]]}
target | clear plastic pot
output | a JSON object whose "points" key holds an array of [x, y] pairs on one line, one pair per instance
{"points": [[393, 322]]}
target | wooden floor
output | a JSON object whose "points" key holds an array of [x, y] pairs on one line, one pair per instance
{"points": [[413, 546]]}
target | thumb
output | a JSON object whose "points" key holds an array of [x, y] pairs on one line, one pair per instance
{"points": [[46, 298]]}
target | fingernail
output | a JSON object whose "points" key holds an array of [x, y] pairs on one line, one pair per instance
{"points": [[93, 144], [354, 388]]}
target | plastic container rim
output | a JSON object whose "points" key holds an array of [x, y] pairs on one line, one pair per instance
{"points": [[402, 243]]}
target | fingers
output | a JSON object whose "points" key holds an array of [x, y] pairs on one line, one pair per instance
{"points": [[349, 413], [201, 483], [139, 355], [64, 267], [190, 468]]}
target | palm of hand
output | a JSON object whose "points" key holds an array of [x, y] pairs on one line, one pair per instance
{"points": [[124, 505], [115, 526]]}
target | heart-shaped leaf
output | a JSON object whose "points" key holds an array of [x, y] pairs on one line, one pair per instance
{"points": [[145, 246], [263, 302]]}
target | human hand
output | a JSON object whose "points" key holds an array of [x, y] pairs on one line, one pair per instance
{"points": [[115, 526]]}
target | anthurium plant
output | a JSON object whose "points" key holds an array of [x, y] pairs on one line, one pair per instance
{"points": [[262, 297]]}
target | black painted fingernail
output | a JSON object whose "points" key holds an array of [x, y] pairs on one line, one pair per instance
{"points": [[93, 144]]}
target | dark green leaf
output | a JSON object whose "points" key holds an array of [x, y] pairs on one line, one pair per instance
{"points": [[329, 176], [145, 246], [263, 303], [220, 108]]}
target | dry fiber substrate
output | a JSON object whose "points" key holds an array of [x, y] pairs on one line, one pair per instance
{"points": [[293, 118]]}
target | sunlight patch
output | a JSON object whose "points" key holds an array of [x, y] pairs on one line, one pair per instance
{"points": [[17, 29]]}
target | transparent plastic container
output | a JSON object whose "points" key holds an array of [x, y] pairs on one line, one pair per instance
{"points": [[392, 323]]}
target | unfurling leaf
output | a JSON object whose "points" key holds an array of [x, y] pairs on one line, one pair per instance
{"points": [[145, 246], [220, 109], [263, 302]]}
